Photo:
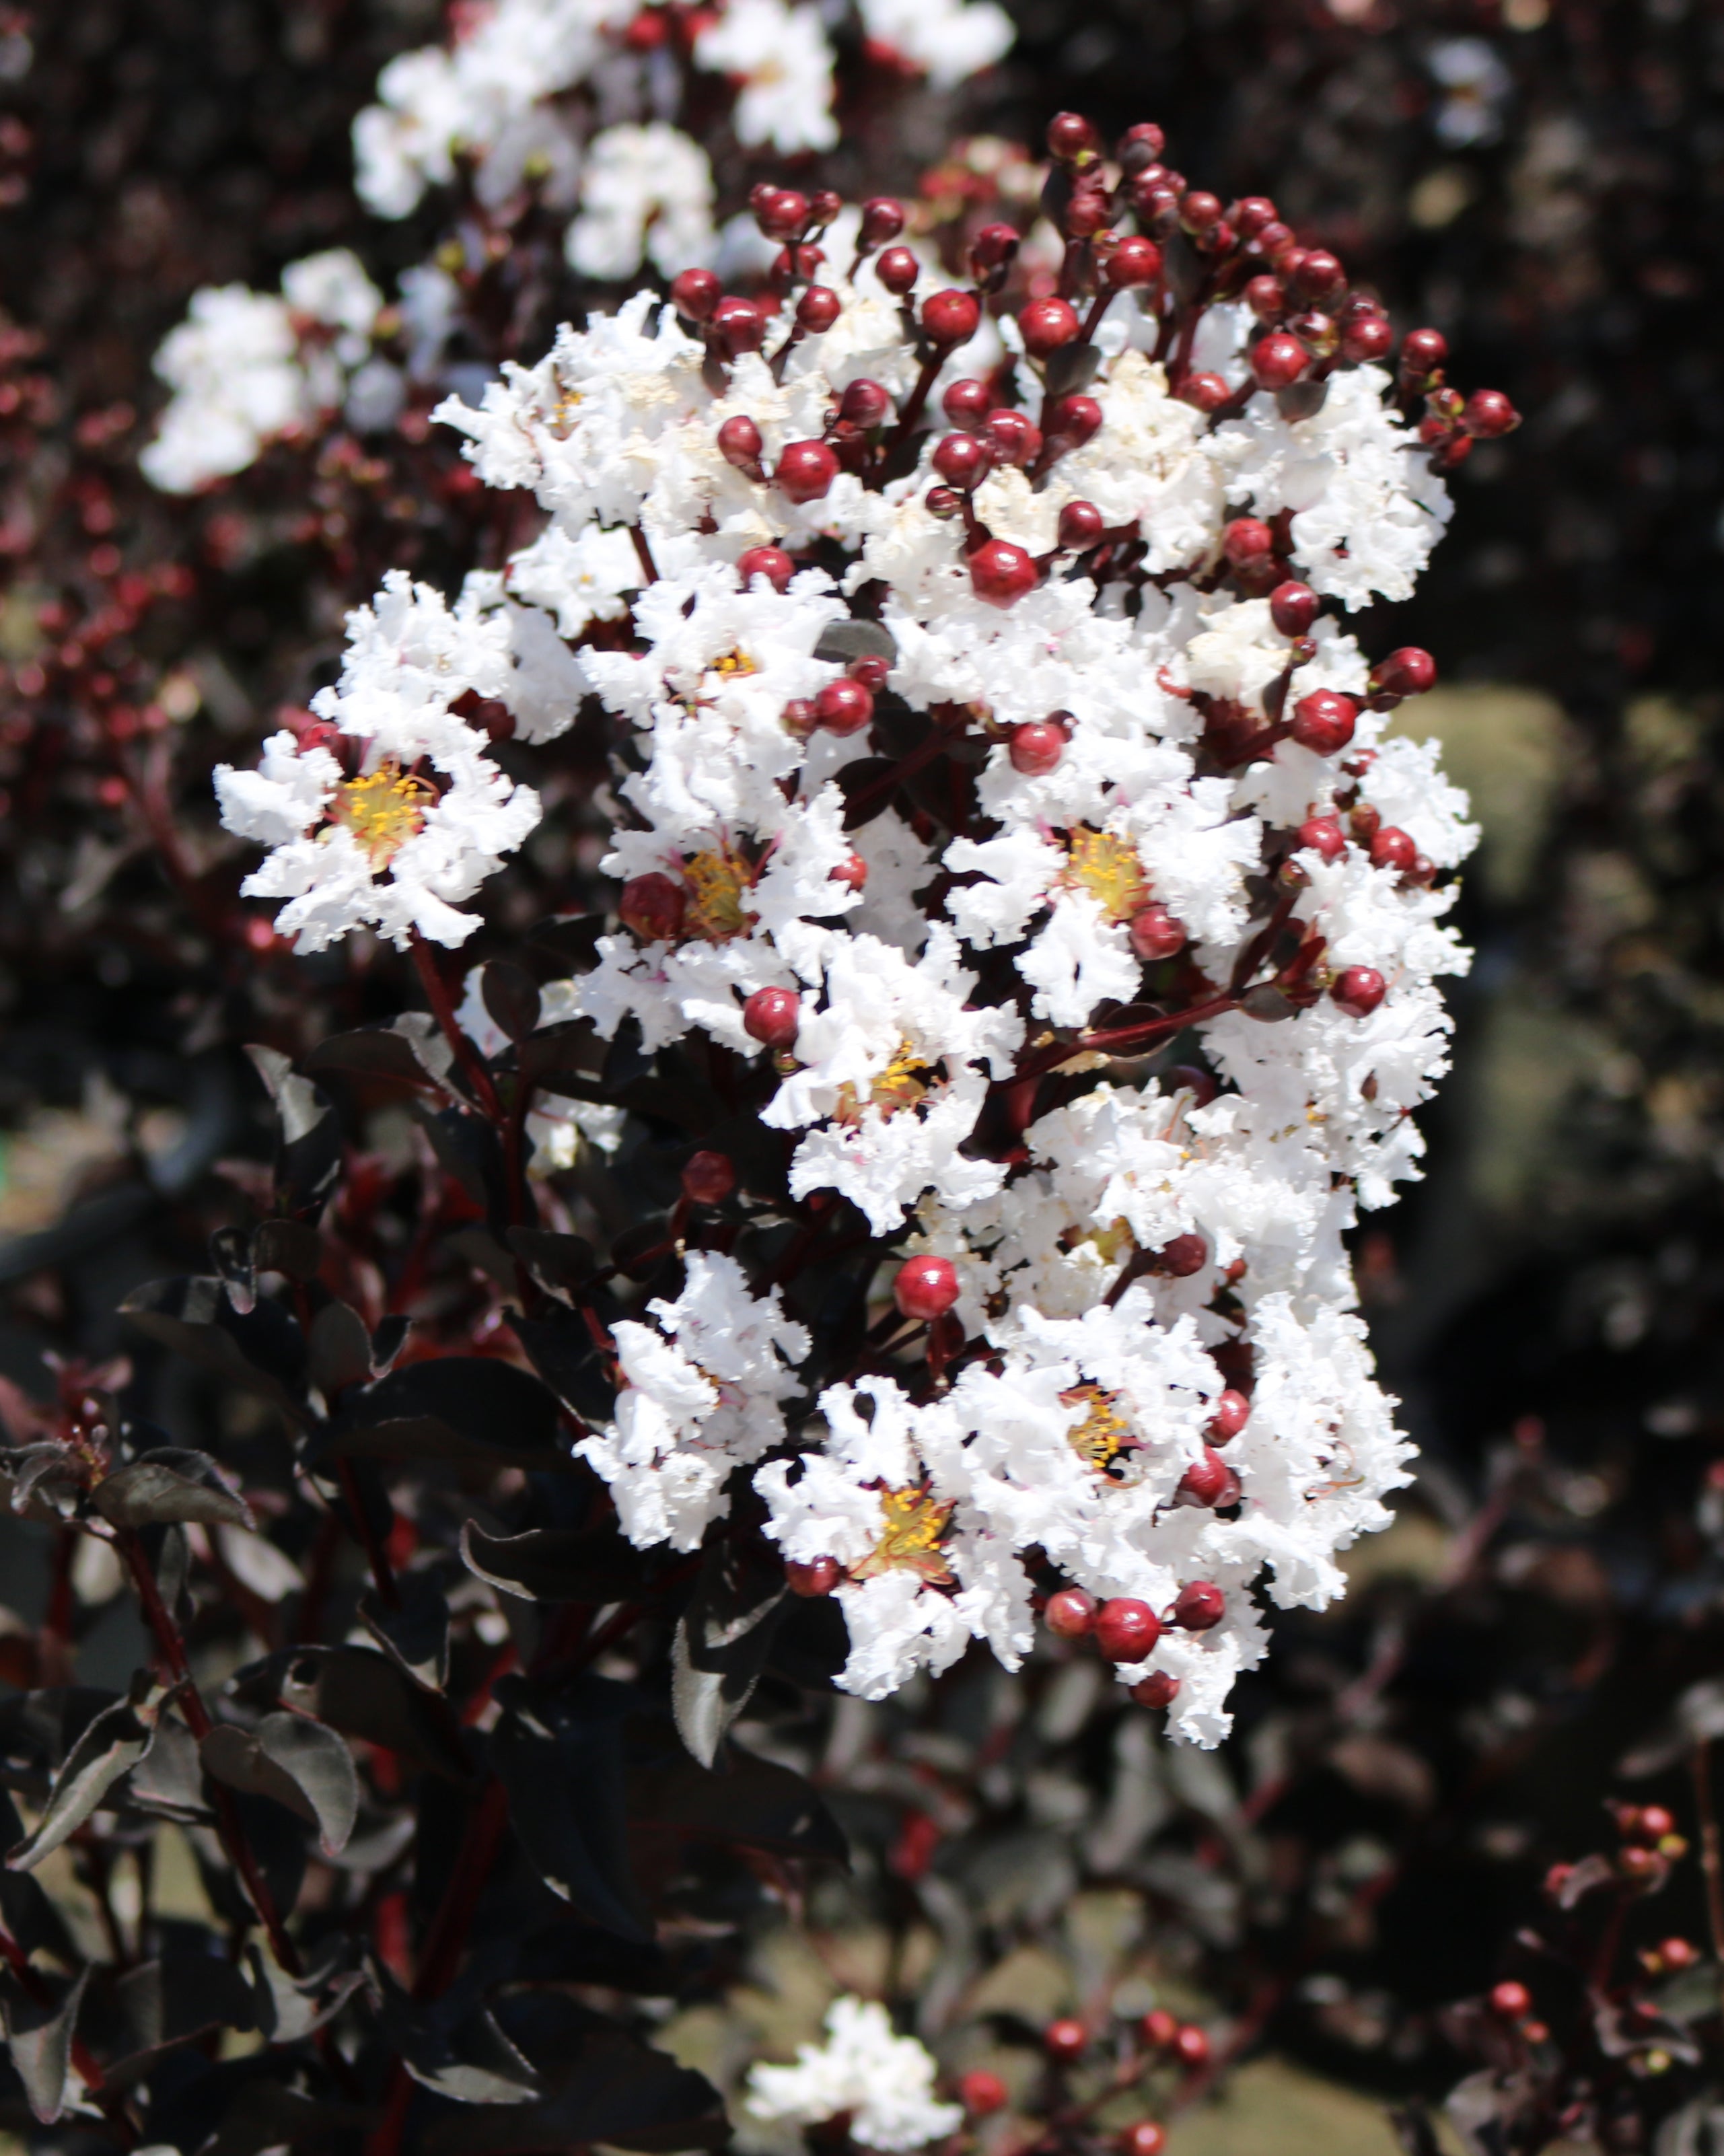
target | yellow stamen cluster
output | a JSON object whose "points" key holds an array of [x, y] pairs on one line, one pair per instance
{"points": [[1107, 867], [717, 880], [899, 1086], [1104, 1433], [915, 1522], [384, 809]]}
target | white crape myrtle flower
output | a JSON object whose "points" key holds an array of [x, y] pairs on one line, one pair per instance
{"points": [[883, 2083], [779, 59], [947, 40], [646, 195], [702, 1394], [1055, 917], [411, 822]]}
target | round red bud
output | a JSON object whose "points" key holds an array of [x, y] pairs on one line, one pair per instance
{"points": [[1081, 524], [1148, 2137], [1324, 720], [1158, 2026], [1510, 2000], [852, 872], [1135, 262], [1002, 573], [737, 325], [1265, 298], [1209, 1482], [1423, 351], [1047, 324], [843, 707], [781, 213], [1233, 1410], [1070, 134], [882, 219], [1651, 1823], [1678, 1954], [1156, 934], [1277, 360], [1126, 1629], [1208, 392], [652, 906], [993, 247], [1142, 138], [1191, 2046], [1642, 1867], [1157, 1689], [1293, 608], [1091, 211], [941, 502], [1013, 437], [1368, 337], [739, 443], [871, 670], [824, 206], [805, 471], [1071, 1614], [1275, 242], [797, 717], [1488, 413], [1073, 421], [1199, 1606], [864, 403], [816, 1576], [772, 1016], [1392, 849], [1364, 821], [1066, 2040], [1250, 215], [771, 562], [1320, 277], [1407, 672], [1324, 835], [695, 293], [952, 317], [1036, 749], [1358, 990], [966, 404], [708, 1178], [898, 269], [1183, 1256], [1247, 539], [926, 1287], [817, 310], [1199, 210], [982, 2093], [962, 461]]}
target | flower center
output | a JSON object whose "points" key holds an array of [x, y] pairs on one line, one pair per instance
{"points": [[729, 666], [899, 1086], [384, 809], [1104, 1433], [717, 880], [1107, 867], [910, 1540]]}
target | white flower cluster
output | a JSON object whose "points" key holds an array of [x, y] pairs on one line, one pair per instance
{"points": [[492, 95], [247, 367], [1145, 1374], [880, 2083]]}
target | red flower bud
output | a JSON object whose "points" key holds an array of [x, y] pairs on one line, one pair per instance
{"points": [[1072, 421], [652, 907], [783, 214], [772, 1017], [771, 562], [1126, 1629], [1407, 672], [1002, 573], [1233, 1410], [1247, 539], [993, 247], [739, 443], [1036, 749], [871, 670], [1277, 360], [1293, 608], [1071, 1614], [1191, 2046], [864, 403], [952, 317], [1423, 351], [1392, 849], [1488, 413], [1250, 217], [852, 872], [1148, 2137], [695, 293], [708, 1178], [898, 269], [1135, 262], [817, 310], [1157, 1689], [1208, 392], [843, 707], [1047, 324], [1013, 437], [1369, 338], [1265, 298], [962, 461], [966, 404], [1324, 835], [1209, 1482], [981, 2093], [805, 471], [1324, 721], [1183, 1256], [1358, 990], [1199, 1606], [1154, 934], [814, 1579], [1510, 2000], [926, 1287], [882, 219], [1158, 2026], [1068, 135], [737, 326]]}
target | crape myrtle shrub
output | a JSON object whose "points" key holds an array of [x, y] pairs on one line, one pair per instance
{"points": [[1349, 1882]]}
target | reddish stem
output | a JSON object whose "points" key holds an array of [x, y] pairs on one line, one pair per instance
{"points": [[442, 1009]]}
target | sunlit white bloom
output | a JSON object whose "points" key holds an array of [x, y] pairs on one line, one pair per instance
{"points": [[646, 195], [779, 60], [883, 2082]]}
